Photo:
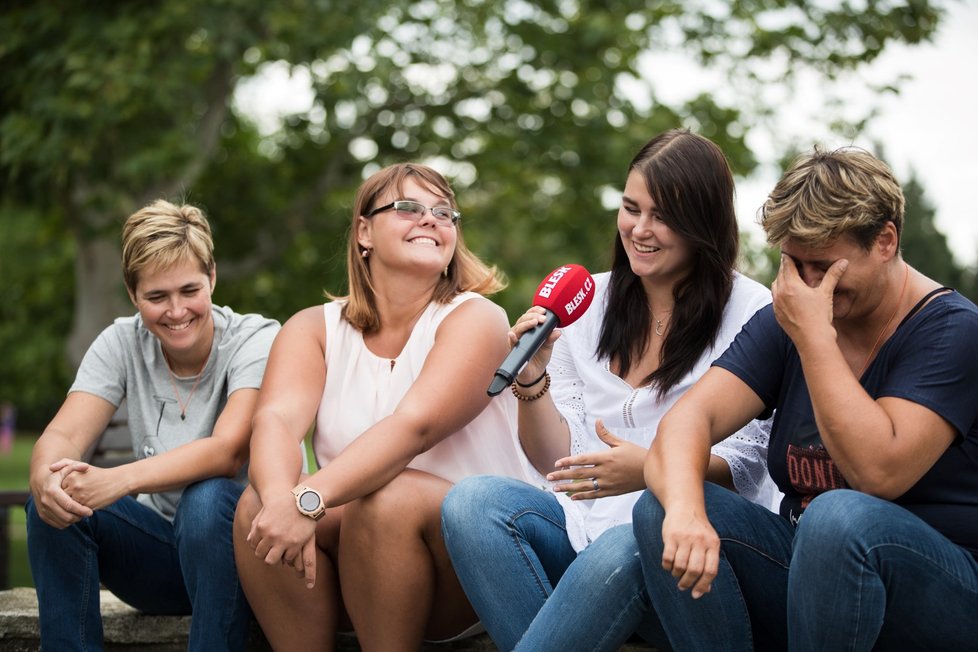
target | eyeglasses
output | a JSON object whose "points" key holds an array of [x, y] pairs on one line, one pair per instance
{"points": [[412, 210]]}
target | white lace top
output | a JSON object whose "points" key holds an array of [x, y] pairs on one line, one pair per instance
{"points": [[584, 390]]}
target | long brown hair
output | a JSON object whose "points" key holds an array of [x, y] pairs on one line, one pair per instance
{"points": [[465, 273], [691, 184]]}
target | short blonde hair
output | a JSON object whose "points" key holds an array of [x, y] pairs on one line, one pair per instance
{"points": [[161, 234], [825, 195], [466, 272]]}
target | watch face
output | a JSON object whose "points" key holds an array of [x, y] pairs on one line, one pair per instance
{"points": [[309, 501]]}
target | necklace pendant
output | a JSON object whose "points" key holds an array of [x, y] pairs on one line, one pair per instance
{"points": [[173, 383], [658, 327]]}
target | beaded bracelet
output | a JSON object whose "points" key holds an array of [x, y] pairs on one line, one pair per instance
{"points": [[533, 382], [532, 397]]}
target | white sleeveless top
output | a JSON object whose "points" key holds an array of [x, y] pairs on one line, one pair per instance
{"points": [[363, 388]]}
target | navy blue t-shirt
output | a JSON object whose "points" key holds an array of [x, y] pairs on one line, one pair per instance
{"points": [[931, 359]]}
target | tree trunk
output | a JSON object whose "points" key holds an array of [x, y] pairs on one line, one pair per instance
{"points": [[99, 292]]}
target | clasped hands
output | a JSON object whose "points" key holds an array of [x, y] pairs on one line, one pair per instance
{"points": [[281, 535], [74, 490]]}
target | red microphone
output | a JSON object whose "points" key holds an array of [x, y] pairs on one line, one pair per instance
{"points": [[565, 294]]}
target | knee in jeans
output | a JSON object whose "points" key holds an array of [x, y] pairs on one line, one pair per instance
{"points": [[727, 510], [469, 498], [206, 508], [647, 517], [835, 518], [36, 524], [31, 510], [204, 495], [613, 557]]}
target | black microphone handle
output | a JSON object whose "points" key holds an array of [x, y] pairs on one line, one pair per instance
{"points": [[528, 344]]}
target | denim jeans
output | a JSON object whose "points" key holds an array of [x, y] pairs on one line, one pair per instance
{"points": [[867, 572], [509, 547], [156, 566], [745, 608]]}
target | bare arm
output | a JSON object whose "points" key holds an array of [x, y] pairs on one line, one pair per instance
{"points": [[447, 395], [883, 447], [76, 426], [544, 434], [449, 392], [221, 454], [291, 392], [677, 464], [292, 388]]}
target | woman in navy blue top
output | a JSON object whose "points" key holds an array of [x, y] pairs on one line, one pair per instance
{"points": [[870, 369]]}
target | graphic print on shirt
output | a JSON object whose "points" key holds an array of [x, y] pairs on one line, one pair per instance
{"points": [[812, 471]]}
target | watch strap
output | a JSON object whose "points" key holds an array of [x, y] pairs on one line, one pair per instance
{"points": [[314, 514]]}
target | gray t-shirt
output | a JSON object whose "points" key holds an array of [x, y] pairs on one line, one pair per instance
{"points": [[126, 362]]}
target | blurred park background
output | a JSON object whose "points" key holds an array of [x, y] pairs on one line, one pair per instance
{"points": [[532, 108]]}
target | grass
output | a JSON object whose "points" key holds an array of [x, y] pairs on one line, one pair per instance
{"points": [[14, 471]]}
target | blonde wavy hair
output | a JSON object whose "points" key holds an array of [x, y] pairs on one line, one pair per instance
{"points": [[161, 234], [465, 272], [825, 195]]}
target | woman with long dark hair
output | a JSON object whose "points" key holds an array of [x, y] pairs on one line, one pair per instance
{"points": [[869, 368], [533, 561]]}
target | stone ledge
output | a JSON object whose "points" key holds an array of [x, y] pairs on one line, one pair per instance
{"points": [[124, 628], [127, 630]]}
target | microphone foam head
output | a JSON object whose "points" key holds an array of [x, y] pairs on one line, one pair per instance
{"points": [[567, 292]]}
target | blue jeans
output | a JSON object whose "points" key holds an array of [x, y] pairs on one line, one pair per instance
{"points": [[508, 543], [156, 566], [866, 572], [745, 608]]}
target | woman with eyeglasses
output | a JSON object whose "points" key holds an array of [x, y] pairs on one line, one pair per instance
{"points": [[557, 568], [393, 378]]}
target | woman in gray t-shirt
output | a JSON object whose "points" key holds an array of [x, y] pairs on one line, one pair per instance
{"points": [[156, 531]]}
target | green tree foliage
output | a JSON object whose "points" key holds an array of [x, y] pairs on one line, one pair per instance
{"points": [[925, 247], [35, 312], [532, 108]]}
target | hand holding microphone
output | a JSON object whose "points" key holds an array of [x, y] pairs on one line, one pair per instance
{"points": [[565, 294], [538, 362]]}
